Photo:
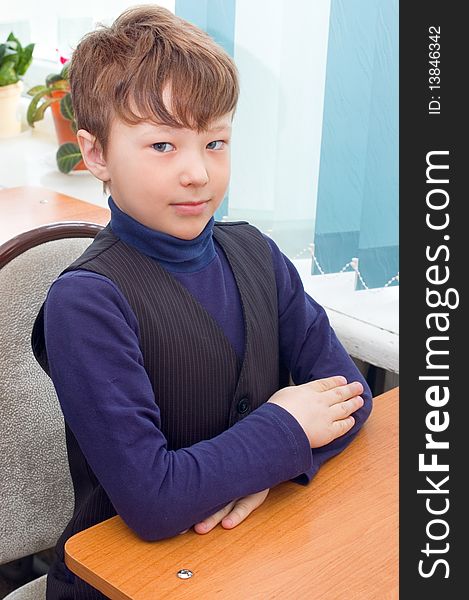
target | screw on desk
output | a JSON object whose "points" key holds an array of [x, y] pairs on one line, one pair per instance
{"points": [[184, 574]]}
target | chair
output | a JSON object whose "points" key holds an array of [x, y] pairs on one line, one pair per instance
{"points": [[36, 492]]}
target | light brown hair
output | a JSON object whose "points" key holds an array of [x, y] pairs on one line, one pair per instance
{"points": [[121, 71]]}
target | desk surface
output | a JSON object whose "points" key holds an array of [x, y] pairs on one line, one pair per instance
{"points": [[336, 538], [27, 207]]}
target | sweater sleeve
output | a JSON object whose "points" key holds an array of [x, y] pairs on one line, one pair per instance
{"points": [[309, 348], [108, 402]]}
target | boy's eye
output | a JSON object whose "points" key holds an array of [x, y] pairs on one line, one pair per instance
{"points": [[215, 142], [160, 146]]}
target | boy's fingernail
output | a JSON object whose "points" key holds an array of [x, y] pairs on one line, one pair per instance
{"points": [[203, 526], [228, 522]]}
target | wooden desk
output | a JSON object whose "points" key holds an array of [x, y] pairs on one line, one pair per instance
{"points": [[26, 207], [335, 539]]}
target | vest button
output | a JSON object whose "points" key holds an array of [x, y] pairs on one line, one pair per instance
{"points": [[243, 406]]}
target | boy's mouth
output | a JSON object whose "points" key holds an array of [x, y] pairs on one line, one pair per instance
{"points": [[190, 208], [189, 203]]}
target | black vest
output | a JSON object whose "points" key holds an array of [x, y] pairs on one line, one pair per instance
{"points": [[196, 403]]}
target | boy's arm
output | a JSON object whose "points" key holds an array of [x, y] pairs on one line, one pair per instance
{"points": [[108, 402], [310, 349]]}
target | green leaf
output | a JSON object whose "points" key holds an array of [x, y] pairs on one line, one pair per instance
{"points": [[61, 84], [64, 71], [33, 113], [8, 73], [68, 156], [14, 60], [10, 57], [52, 78], [66, 107], [42, 108], [26, 58], [15, 40], [37, 88]]}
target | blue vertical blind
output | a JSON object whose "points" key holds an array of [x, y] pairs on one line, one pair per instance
{"points": [[357, 206]]}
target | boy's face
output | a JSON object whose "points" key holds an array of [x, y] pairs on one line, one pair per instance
{"points": [[171, 180]]}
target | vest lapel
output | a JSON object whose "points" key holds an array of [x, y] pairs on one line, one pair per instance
{"points": [[251, 262]]}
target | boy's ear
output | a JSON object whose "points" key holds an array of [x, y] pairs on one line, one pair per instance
{"points": [[92, 155]]}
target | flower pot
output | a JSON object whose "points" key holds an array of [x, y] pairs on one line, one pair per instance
{"points": [[10, 117], [63, 127]]}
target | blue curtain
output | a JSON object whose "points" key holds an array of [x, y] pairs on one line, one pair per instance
{"points": [[357, 206]]}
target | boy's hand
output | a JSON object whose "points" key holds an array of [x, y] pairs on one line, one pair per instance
{"points": [[233, 513], [323, 408]]}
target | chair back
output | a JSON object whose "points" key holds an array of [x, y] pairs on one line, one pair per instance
{"points": [[36, 492]]}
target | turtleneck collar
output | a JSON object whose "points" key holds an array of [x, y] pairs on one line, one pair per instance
{"points": [[173, 253]]}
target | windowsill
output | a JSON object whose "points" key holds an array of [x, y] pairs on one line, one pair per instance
{"points": [[366, 321]]}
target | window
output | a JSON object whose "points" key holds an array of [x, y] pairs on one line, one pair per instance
{"points": [[56, 27]]}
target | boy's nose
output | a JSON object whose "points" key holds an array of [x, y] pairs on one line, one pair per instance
{"points": [[195, 173]]}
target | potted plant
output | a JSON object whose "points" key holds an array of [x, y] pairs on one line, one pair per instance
{"points": [[14, 62], [56, 94]]}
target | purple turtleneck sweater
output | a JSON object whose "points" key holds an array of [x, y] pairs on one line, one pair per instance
{"points": [[157, 492]]}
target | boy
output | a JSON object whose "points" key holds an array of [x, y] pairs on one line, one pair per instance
{"points": [[170, 340]]}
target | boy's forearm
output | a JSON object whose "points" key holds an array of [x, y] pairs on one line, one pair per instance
{"points": [[191, 484]]}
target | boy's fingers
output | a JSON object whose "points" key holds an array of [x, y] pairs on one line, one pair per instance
{"points": [[208, 524], [343, 392], [345, 409], [342, 426], [233, 513], [243, 508], [329, 383]]}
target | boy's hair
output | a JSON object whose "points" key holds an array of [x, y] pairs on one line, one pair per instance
{"points": [[121, 71]]}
